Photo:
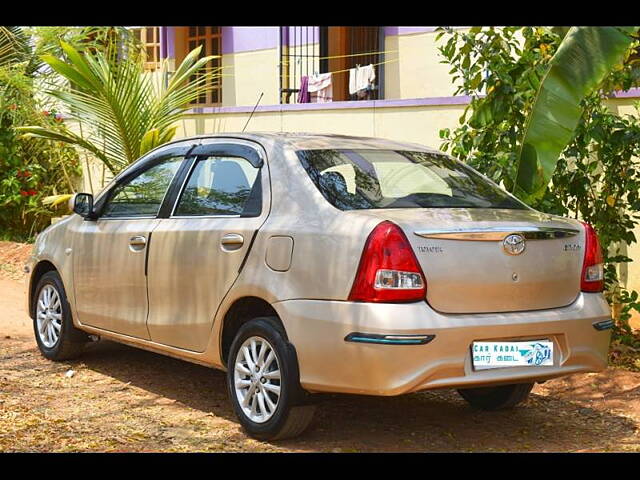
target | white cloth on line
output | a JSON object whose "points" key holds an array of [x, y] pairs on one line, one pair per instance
{"points": [[361, 78], [320, 88]]}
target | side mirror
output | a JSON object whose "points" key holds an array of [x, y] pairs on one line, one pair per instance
{"points": [[82, 204]]}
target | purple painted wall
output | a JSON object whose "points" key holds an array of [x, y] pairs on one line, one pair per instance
{"points": [[171, 42], [246, 39], [410, 102], [631, 93], [308, 36], [407, 30], [163, 42]]}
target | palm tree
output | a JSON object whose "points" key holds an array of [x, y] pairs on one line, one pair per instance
{"points": [[14, 46], [583, 60], [127, 111]]}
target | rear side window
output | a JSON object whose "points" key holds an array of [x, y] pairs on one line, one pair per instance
{"points": [[221, 186], [376, 179], [142, 196]]}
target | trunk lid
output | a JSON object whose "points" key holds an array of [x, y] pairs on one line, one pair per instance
{"points": [[467, 266]]}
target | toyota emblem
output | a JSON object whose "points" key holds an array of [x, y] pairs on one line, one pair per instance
{"points": [[514, 244]]}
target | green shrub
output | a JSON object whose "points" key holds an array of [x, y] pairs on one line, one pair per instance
{"points": [[30, 169], [597, 178]]}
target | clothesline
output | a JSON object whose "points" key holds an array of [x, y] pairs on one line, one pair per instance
{"points": [[340, 56], [374, 64]]}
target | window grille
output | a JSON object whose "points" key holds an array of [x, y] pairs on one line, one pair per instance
{"points": [[305, 51]]}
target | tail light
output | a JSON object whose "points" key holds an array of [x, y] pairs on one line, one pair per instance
{"points": [[388, 270], [592, 279]]}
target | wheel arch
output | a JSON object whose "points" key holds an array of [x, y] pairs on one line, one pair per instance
{"points": [[241, 311], [42, 267]]}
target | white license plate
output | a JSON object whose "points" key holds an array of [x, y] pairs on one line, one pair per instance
{"points": [[533, 353]]}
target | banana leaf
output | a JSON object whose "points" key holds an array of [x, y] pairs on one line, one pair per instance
{"points": [[583, 60]]}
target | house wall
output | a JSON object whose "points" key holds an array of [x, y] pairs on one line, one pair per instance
{"points": [[418, 100], [250, 59]]}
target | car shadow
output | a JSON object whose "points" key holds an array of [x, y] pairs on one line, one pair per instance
{"points": [[436, 420]]}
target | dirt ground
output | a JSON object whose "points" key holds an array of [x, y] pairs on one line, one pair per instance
{"points": [[118, 398]]}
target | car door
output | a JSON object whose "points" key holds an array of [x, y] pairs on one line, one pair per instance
{"points": [[110, 280], [196, 253]]}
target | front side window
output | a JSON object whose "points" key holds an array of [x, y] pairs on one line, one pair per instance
{"points": [[142, 196], [376, 179], [221, 186]]}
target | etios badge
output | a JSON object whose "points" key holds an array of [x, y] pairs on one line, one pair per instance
{"points": [[514, 244]]}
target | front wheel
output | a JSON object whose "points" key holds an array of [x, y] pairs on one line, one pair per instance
{"points": [[498, 397], [56, 336], [263, 382]]}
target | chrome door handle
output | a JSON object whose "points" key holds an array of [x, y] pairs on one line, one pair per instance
{"points": [[232, 240], [138, 241]]}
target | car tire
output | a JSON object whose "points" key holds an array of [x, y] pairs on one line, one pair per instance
{"points": [[55, 334], [264, 414], [498, 397]]}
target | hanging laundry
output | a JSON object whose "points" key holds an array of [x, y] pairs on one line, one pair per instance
{"points": [[303, 94], [320, 88], [362, 81]]}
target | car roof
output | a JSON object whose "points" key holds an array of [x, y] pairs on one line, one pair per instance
{"points": [[317, 141]]}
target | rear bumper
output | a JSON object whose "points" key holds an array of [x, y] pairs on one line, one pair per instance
{"points": [[329, 363]]}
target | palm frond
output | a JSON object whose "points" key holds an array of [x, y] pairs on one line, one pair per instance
{"points": [[124, 112], [14, 46]]}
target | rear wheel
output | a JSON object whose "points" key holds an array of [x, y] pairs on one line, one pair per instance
{"points": [[263, 382], [498, 397], [56, 336]]}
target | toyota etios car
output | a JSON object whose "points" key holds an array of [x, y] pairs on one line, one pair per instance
{"points": [[307, 263]]}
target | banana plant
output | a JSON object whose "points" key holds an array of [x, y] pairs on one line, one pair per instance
{"points": [[124, 112], [583, 60]]}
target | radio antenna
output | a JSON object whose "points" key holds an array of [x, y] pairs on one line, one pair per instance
{"points": [[254, 109]]}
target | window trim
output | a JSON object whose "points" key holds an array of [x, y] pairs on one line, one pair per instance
{"points": [[137, 169]]}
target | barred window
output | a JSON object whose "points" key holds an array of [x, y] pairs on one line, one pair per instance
{"points": [[305, 51], [149, 38], [211, 40]]}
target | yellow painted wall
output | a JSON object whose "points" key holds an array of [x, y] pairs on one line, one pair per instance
{"points": [[419, 124], [417, 72], [247, 74]]}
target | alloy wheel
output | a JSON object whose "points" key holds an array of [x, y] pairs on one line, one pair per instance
{"points": [[257, 380], [49, 316]]}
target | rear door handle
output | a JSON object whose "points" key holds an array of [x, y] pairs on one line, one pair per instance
{"points": [[138, 241], [232, 241]]}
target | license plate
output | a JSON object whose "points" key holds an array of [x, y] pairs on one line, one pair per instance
{"points": [[533, 353]]}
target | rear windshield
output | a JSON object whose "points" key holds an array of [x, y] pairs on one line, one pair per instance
{"points": [[371, 179]]}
